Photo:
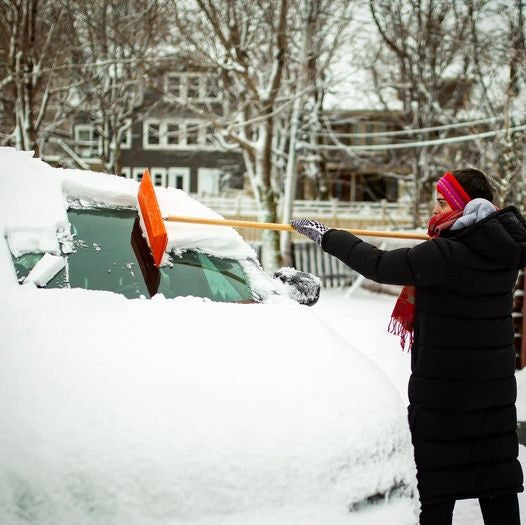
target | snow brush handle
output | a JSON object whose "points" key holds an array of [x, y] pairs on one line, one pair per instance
{"points": [[287, 227]]}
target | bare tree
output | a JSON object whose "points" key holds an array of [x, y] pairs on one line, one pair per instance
{"points": [[117, 43], [324, 33], [35, 60], [422, 60], [270, 58], [247, 45], [499, 53]]}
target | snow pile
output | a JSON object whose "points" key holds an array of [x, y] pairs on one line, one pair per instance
{"points": [[161, 411], [117, 411]]}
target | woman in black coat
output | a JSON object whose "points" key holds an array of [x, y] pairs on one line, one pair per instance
{"points": [[455, 314]]}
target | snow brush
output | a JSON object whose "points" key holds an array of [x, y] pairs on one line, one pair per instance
{"points": [[152, 222]]}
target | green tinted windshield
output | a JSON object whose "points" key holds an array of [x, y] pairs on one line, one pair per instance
{"points": [[110, 253]]}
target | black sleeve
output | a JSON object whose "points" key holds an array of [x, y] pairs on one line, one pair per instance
{"points": [[426, 264]]}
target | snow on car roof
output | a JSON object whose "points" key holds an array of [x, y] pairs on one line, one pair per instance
{"points": [[34, 199]]}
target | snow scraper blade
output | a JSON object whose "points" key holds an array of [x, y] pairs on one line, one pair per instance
{"points": [[151, 219]]}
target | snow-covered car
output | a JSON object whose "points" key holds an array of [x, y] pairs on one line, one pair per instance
{"points": [[218, 400]]}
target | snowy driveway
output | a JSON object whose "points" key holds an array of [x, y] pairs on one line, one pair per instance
{"points": [[362, 319]]}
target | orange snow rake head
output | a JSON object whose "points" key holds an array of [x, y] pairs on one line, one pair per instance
{"points": [[152, 219]]}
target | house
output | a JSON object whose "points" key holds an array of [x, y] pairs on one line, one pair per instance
{"points": [[175, 143], [362, 176]]}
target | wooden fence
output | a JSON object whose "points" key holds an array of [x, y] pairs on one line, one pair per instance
{"points": [[308, 257]]}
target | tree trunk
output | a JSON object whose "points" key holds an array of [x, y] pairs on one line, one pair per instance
{"points": [[270, 256], [290, 185], [416, 190]]}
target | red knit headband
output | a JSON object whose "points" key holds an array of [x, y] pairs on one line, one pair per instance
{"points": [[452, 191]]}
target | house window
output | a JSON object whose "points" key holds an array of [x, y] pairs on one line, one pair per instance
{"points": [[172, 134], [173, 85], [192, 133], [179, 178], [126, 139], [85, 134], [87, 143], [192, 87], [211, 88], [137, 173], [153, 133], [167, 134], [158, 176], [209, 136]]}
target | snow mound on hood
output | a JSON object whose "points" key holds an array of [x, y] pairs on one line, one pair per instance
{"points": [[173, 411]]}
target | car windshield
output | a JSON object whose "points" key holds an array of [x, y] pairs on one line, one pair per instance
{"points": [[110, 253]]}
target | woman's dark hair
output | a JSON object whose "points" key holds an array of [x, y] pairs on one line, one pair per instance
{"points": [[475, 183]]}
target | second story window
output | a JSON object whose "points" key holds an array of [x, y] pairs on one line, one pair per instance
{"points": [[153, 133], [209, 136], [211, 88], [87, 143], [192, 133], [173, 134], [193, 85], [177, 134], [173, 85], [201, 87]]}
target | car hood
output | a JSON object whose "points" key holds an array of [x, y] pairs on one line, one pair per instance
{"points": [[154, 411]]}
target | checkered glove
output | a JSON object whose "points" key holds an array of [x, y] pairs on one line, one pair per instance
{"points": [[312, 229]]}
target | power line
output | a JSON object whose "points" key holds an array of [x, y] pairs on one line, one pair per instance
{"points": [[411, 131], [420, 144]]}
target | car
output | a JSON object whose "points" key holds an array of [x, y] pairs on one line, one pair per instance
{"points": [[197, 392]]}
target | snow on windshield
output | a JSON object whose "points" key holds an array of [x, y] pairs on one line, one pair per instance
{"points": [[35, 197]]}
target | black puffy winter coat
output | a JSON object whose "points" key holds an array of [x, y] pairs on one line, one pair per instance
{"points": [[462, 389]]}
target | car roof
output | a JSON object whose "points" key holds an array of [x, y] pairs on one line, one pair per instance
{"points": [[35, 196]]}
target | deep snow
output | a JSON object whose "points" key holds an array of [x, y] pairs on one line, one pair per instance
{"points": [[363, 318], [172, 411], [105, 423]]}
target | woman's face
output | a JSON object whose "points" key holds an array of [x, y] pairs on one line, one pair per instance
{"points": [[441, 205]]}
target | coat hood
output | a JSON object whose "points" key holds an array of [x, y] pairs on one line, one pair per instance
{"points": [[499, 237]]}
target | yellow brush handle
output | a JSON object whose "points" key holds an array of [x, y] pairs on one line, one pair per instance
{"points": [[287, 227]]}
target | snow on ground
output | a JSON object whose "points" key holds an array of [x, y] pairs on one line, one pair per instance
{"points": [[363, 318]]}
